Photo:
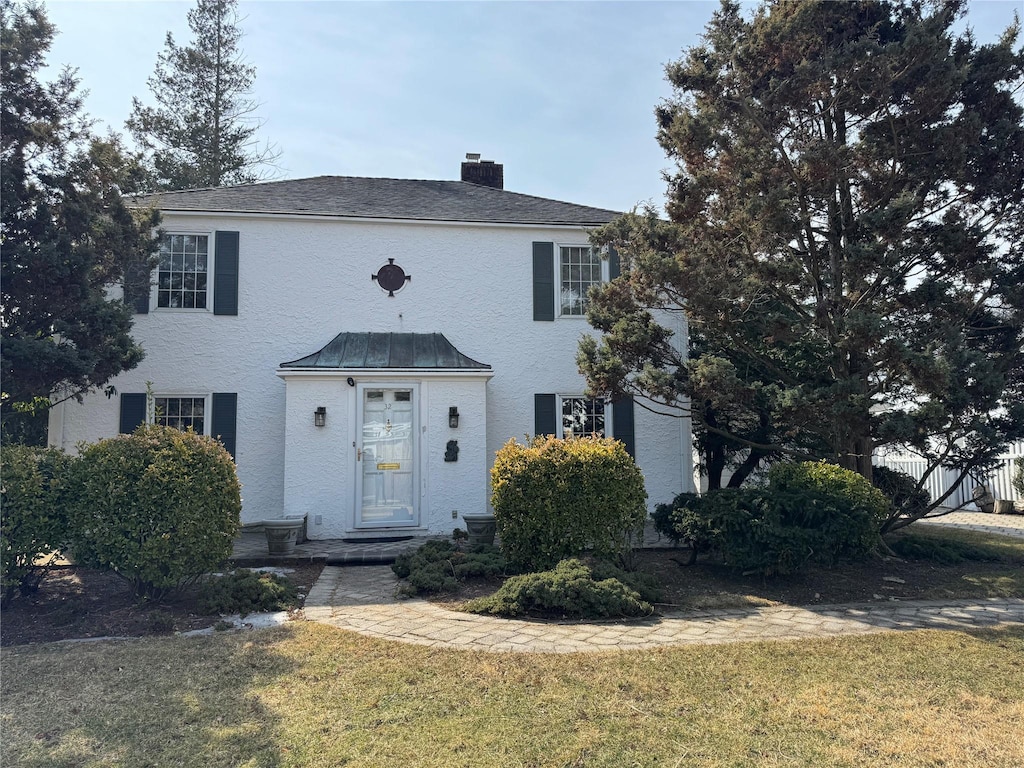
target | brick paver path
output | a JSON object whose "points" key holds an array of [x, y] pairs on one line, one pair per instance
{"points": [[1005, 525], [361, 599]]}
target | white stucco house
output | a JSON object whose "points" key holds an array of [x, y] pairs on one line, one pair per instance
{"points": [[363, 346]]}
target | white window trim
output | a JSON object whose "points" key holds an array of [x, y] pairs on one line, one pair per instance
{"points": [[559, 425], [211, 255], [605, 276], [207, 404]]}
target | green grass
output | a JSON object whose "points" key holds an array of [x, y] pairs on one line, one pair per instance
{"points": [[946, 545], [311, 695]]}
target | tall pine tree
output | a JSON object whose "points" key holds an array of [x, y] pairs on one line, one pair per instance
{"points": [[845, 236], [202, 131], [66, 235]]}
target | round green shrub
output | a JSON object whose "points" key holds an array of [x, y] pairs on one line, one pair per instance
{"points": [[770, 531], [569, 590], [554, 499], [33, 523], [158, 507], [831, 480], [901, 489], [1018, 477]]}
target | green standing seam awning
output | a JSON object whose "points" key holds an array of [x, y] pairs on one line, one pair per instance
{"points": [[389, 350]]}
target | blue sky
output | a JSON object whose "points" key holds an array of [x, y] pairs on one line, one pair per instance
{"points": [[561, 93]]}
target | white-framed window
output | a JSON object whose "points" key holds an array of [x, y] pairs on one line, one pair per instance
{"points": [[579, 268], [184, 273], [181, 412], [580, 416]]}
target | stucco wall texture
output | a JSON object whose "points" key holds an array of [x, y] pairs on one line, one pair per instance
{"points": [[304, 280]]}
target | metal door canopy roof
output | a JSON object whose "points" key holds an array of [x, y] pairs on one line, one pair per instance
{"points": [[388, 350]]}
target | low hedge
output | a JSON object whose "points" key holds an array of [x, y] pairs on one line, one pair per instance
{"points": [[769, 532]]}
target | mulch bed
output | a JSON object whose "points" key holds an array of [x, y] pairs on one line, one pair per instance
{"points": [[710, 584], [74, 603]]}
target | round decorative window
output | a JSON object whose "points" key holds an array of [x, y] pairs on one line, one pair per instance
{"points": [[391, 277]]}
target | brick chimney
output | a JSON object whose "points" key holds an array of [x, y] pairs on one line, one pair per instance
{"points": [[484, 172]]}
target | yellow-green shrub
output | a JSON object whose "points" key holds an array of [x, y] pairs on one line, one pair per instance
{"points": [[33, 521], [554, 499], [158, 507]]}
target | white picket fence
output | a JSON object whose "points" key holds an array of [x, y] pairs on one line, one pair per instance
{"points": [[998, 480]]}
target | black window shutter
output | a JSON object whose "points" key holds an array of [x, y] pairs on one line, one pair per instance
{"points": [[614, 266], [544, 416], [543, 281], [622, 424], [223, 419], [133, 411], [225, 274], [136, 288]]}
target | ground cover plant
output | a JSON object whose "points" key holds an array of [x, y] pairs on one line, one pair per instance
{"points": [[245, 591], [571, 589], [443, 566], [309, 695]]}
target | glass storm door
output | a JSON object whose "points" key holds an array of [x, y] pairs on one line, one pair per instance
{"points": [[386, 468]]}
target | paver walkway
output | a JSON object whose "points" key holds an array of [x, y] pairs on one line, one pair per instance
{"points": [[361, 599], [1005, 525]]}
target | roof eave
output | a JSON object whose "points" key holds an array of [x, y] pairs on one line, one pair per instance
{"points": [[322, 216], [380, 374]]}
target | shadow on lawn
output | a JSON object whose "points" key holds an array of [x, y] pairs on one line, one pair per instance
{"points": [[174, 701]]}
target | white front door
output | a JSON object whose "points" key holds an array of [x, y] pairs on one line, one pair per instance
{"points": [[386, 458]]}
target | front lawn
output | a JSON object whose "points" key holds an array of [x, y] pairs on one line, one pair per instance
{"points": [[311, 695]]}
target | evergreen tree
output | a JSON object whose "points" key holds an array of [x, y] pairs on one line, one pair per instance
{"points": [[66, 235], [845, 235], [202, 131]]}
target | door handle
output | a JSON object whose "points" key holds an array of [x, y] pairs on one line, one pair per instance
{"points": [[359, 454]]}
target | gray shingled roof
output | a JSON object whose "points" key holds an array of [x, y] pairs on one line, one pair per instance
{"points": [[382, 198], [388, 350]]}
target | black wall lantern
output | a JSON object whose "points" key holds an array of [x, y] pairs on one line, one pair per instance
{"points": [[320, 417], [453, 417]]}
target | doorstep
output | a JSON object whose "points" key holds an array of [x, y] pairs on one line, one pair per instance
{"points": [[250, 548]]}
